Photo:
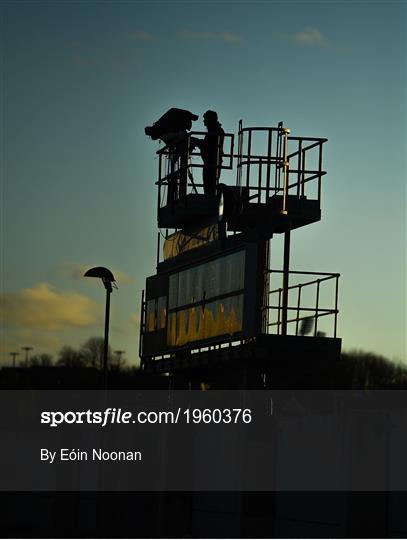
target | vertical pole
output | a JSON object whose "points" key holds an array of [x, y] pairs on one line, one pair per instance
{"points": [[141, 332], [336, 304], [285, 165], [265, 303], [319, 173], [261, 280], [14, 354], [269, 141], [303, 174], [316, 308], [298, 309], [106, 347], [239, 157], [249, 150], [279, 311], [299, 168], [26, 349], [158, 251], [286, 270]]}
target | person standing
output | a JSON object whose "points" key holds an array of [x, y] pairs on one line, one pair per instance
{"points": [[211, 148]]}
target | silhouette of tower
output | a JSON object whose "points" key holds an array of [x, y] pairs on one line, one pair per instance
{"points": [[216, 314], [214, 300]]}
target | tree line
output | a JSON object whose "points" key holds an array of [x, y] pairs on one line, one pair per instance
{"points": [[354, 369], [89, 354]]}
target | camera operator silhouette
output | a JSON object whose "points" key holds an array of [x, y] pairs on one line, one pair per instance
{"points": [[172, 128], [211, 148]]}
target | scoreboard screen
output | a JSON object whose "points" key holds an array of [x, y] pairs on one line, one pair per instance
{"points": [[204, 302]]}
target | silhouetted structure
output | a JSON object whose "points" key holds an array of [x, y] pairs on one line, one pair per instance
{"points": [[109, 282], [172, 128], [216, 312], [215, 299]]}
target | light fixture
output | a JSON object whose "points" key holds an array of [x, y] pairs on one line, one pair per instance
{"points": [[109, 282]]}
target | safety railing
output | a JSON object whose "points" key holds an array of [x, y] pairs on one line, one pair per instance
{"points": [[270, 162], [304, 309], [177, 163]]}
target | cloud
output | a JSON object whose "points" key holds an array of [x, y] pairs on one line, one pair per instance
{"points": [[308, 37], [76, 271], [141, 35], [44, 308], [227, 37]]}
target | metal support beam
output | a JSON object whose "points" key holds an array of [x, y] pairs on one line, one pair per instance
{"points": [[106, 340], [286, 270]]}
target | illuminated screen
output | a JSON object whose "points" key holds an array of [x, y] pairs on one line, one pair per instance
{"points": [[156, 312], [206, 300], [181, 241]]}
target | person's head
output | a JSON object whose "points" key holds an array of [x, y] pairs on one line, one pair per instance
{"points": [[210, 118]]}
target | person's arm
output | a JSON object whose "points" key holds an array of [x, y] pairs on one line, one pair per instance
{"points": [[195, 143]]}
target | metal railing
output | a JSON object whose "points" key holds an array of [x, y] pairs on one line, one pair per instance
{"points": [[310, 313], [270, 162], [175, 169]]}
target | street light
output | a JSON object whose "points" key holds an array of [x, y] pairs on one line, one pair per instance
{"points": [[27, 349], [119, 357], [108, 281], [14, 354]]}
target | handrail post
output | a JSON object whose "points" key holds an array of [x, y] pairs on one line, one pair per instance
{"points": [[299, 174], [316, 307], [336, 304], [303, 173], [285, 169], [158, 250], [269, 147], [286, 271], [298, 308], [239, 157], [319, 173], [249, 149], [141, 331], [279, 310]]}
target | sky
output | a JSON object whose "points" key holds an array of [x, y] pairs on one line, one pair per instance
{"points": [[81, 79]]}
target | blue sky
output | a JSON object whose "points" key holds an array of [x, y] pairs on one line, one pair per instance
{"points": [[81, 80]]}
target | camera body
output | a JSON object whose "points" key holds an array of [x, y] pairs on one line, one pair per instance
{"points": [[173, 124]]}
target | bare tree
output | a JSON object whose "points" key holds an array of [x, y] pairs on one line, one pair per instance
{"points": [[40, 360], [69, 357], [370, 370], [92, 352]]}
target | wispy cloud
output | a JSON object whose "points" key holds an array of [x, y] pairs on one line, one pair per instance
{"points": [[141, 35], [227, 37], [43, 307], [308, 37], [76, 271]]}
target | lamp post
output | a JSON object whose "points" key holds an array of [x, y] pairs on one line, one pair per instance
{"points": [[26, 349], [14, 354], [108, 281], [119, 357]]}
